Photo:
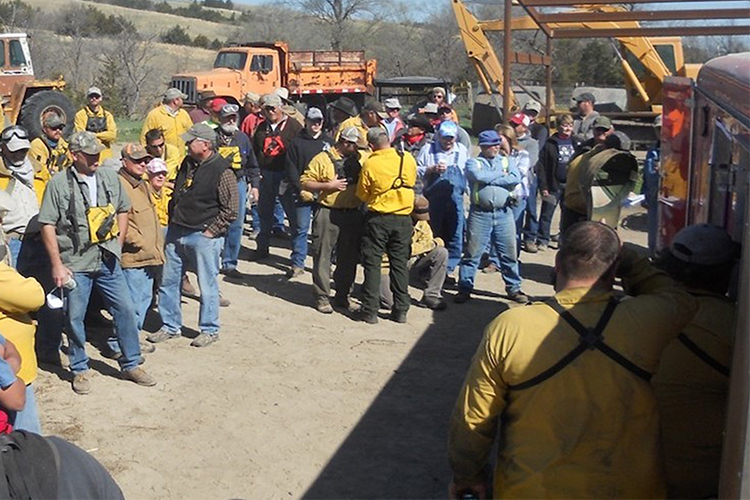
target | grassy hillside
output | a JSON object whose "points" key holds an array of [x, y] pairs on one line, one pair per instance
{"points": [[146, 22]]}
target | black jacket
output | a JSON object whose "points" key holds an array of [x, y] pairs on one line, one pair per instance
{"points": [[547, 165], [271, 154], [301, 150]]}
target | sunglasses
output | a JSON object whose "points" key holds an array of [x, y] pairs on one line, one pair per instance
{"points": [[9, 132], [157, 145], [269, 108], [445, 111], [59, 127], [145, 159]]}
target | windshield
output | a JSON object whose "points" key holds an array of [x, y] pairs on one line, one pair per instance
{"points": [[231, 60]]}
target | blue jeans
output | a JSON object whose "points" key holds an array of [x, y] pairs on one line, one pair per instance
{"points": [[188, 248], [269, 197], [447, 222], [531, 224], [545, 217], [14, 245], [498, 227], [28, 418], [113, 288], [300, 214], [278, 217], [233, 239], [140, 282], [519, 211]]}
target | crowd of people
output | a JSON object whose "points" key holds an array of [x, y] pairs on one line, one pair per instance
{"points": [[403, 194]]}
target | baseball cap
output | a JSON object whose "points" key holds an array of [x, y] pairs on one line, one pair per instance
{"points": [[199, 131], [217, 104], [392, 103], [376, 107], [430, 107], [173, 93], [374, 134], [15, 138], [520, 119], [350, 134], [93, 91], [586, 96], [421, 121], [703, 244], [85, 142], [229, 110], [251, 97], [533, 106], [314, 114], [207, 94], [602, 122], [448, 129], [270, 100], [52, 120], [156, 166], [134, 151], [489, 138]]}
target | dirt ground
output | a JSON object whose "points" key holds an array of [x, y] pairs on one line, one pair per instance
{"points": [[289, 403]]}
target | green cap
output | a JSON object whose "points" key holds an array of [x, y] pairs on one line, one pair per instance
{"points": [[602, 122], [85, 142]]}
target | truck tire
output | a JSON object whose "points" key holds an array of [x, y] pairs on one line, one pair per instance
{"points": [[41, 103]]}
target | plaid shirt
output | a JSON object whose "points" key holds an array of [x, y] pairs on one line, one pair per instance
{"points": [[229, 201]]}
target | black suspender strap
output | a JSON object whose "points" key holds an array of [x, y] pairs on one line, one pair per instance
{"points": [[590, 339], [703, 355]]}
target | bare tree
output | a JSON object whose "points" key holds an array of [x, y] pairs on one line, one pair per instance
{"points": [[338, 15], [135, 55]]}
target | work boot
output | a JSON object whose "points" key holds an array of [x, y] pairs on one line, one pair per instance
{"points": [[204, 339], [530, 247], [188, 290], [232, 274], [434, 303], [147, 348], [223, 301], [295, 272], [369, 318], [341, 302], [461, 297], [82, 382], [398, 316], [324, 307], [518, 296], [259, 255], [490, 268], [161, 336], [139, 376], [542, 247]]}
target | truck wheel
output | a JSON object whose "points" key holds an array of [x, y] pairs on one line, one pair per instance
{"points": [[41, 103]]}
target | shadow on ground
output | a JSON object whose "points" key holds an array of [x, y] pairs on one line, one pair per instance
{"points": [[398, 448]]}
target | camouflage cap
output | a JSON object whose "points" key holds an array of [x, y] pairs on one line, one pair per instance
{"points": [[85, 142], [134, 151]]}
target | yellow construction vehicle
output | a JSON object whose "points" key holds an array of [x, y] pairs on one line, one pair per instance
{"points": [[646, 62]]}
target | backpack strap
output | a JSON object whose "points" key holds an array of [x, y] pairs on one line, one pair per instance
{"points": [[591, 339], [703, 355]]}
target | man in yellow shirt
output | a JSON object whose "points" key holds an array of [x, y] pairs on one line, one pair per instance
{"points": [[565, 381], [158, 147], [332, 174], [94, 118], [386, 186], [372, 115], [49, 153], [171, 119]]}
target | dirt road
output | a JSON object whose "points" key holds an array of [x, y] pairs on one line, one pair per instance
{"points": [[289, 403]]}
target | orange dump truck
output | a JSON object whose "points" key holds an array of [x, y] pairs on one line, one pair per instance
{"points": [[310, 76]]}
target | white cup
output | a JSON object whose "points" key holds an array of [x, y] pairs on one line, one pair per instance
{"points": [[55, 301]]}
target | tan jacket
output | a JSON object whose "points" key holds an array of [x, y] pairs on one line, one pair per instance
{"points": [[144, 241]]}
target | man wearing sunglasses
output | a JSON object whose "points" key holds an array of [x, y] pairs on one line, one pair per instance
{"points": [[84, 223], [49, 153], [17, 179], [271, 142], [94, 118], [235, 146]]}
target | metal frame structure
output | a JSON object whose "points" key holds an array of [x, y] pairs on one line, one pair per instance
{"points": [[552, 22]]}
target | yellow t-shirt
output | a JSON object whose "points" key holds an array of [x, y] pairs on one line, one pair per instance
{"points": [[379, 185], [321, 169]]}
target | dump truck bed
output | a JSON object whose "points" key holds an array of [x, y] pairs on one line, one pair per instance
{"points": [[323, 72]]}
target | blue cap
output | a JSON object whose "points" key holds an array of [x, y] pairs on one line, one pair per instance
{"points": [[448, 129], [489, 138]]}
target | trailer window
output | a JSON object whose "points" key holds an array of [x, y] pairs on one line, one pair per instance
{"points": [[2, 54], [231, 60], [666, 52], [16, 54], [264, 64]]}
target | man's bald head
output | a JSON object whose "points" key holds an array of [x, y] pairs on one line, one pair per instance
{"points": [[589, 252]]}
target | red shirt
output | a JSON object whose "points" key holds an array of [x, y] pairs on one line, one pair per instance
{"points": [[250, 123]]}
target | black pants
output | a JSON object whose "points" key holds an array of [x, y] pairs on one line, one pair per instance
{"points": [[391, 235]]}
